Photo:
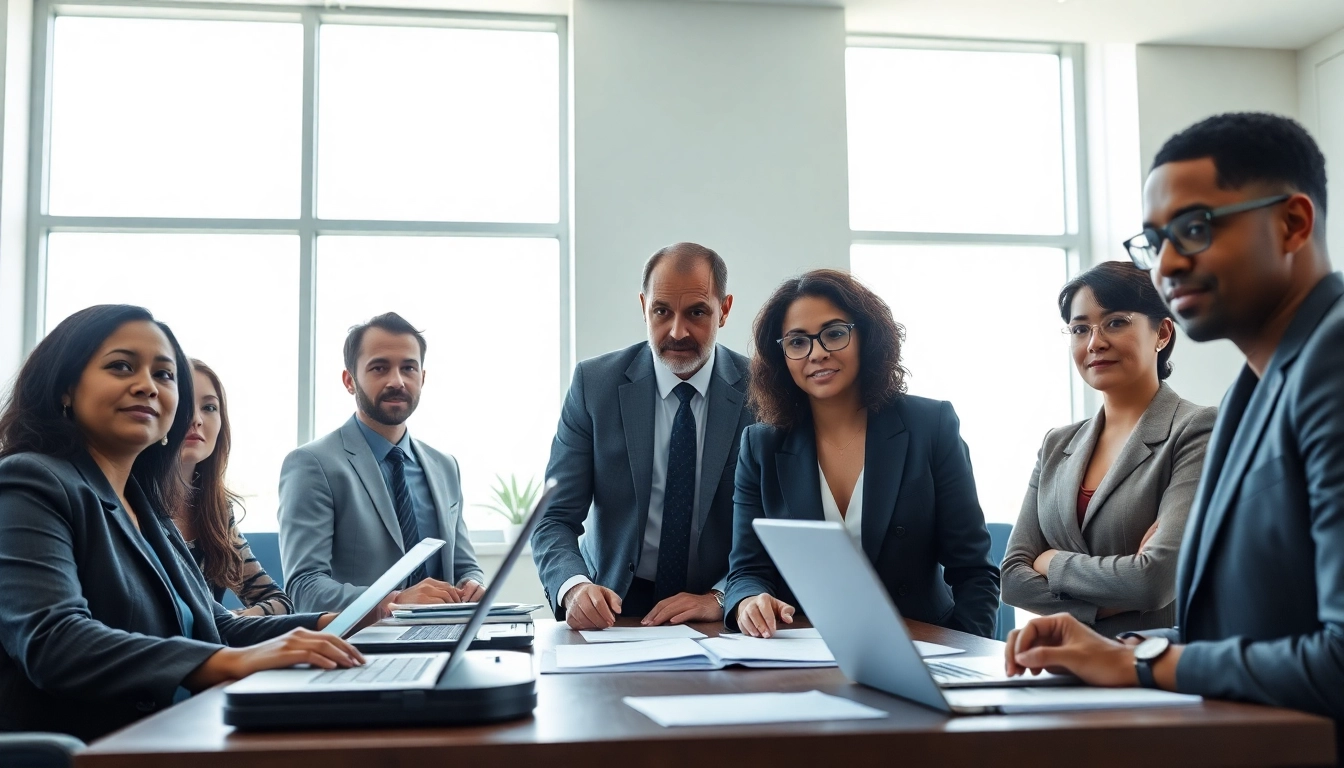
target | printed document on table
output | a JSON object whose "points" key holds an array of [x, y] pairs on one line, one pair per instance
{"points": [[1066, 699], [641, 656], [749, 708], [635, 634], [927, 650], [775, 652]]}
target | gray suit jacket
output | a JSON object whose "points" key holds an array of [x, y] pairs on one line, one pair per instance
{"points": [[338, 528], [1153, 478], [1260, 585], [602, 457], [90, 636]]}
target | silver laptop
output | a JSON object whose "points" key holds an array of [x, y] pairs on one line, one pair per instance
{"points": [[394, 672], [864, 630]]}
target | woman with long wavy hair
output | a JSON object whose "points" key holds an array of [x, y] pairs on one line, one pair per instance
{"points": [[206, 515]]}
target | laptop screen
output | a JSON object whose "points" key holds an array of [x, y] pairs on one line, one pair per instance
{"points": [[346, 621], [497, 582]]}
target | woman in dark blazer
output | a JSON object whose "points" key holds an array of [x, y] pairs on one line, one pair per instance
{"points": [[104, 618], [1104, 514], [840, 440]]}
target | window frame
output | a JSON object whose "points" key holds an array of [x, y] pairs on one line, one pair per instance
{"points": [[307, 226], [1076, 240]]}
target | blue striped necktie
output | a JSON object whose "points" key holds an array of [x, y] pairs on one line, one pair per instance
{"points": [[401, 498], [674, 542]]}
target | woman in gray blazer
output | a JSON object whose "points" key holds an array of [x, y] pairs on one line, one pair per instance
{"points": [[105, 619], [1102, 521]]}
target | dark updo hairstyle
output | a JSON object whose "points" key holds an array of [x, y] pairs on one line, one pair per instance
{"points": [[33, 418], [776, 399], [1119, 286]]}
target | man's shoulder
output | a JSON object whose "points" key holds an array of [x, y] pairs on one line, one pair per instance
{"points": [[607, 370], [327, 446]]}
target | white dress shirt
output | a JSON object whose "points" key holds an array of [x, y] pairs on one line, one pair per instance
{"points": [[664, 412], [853, 517]]}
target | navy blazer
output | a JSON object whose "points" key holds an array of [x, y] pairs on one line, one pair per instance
{"points": [[90, 637], [602, 457], [923, 529], [1260, 584]]}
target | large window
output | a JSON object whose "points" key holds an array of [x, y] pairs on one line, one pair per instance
{"points": [[262, 178], [965, 210]]}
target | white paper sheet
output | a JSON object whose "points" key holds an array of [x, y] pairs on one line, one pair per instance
{"points": [[636, 634], [746, 708], [740, 648], [600, 655], [927, 650], [1066, 699]]}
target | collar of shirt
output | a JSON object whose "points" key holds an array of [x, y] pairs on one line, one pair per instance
{"points": [[668, 381], [381, 446]]}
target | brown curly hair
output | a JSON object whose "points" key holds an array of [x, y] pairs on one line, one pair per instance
{"points": [[776, 399]]}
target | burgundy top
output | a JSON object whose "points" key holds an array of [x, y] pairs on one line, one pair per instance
{"points": [[1084, 498]]}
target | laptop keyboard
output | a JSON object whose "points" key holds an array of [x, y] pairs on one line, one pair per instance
{"points": [[388, 669], [954, 673], [433, 632]]}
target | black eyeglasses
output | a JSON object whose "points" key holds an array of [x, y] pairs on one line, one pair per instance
{"points": [[833, 338], [1190, 233]]}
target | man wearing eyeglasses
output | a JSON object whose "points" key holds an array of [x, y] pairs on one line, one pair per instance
{"points": [[645, 455], [1235, 240]]}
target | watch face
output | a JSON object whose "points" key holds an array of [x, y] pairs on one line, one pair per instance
{"points": [[1151, 648]]}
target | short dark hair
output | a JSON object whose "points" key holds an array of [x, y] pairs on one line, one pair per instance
{"points": [[388, 321], [33, 418], [776, 399], [685, 255], [1119, 286], [1253, 146]]}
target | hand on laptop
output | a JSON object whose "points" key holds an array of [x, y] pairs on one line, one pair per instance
{"points": [[588, 606], [431, 591], [684, 607], [1061, 643], [471, 591], [758, 616], [297, 646]]}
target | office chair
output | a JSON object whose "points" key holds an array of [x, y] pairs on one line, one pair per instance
{"points": [[38, 750], [998, 547], [266, 548]]}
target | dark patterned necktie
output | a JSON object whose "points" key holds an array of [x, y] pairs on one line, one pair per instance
{"points": [[401, 498], [674, 542]]}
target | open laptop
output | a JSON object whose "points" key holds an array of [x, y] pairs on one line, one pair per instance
{"points": [[864, 630], [400, 688]]}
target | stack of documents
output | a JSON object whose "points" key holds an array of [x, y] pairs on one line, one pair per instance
{"points": [[458, 613], [927, 650], [683, 653]]}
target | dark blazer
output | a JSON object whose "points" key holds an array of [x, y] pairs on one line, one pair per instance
{"points": [[1260, 585], [602, 457], [1098, 565], [90, 638], [923, 528]]}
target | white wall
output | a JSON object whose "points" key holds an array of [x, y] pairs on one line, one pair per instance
{"points": [[1320, 77], [1177, 87], [717, 123], [16, 31]]}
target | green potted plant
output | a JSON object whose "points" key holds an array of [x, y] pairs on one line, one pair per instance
{"points": [[512, 503]]}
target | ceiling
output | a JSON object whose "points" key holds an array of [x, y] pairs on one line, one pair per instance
{"points": [[1292, 24]]}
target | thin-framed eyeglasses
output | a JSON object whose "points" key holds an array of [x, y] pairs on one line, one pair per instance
{"points": [[1108, 328], [832, 338], [1190, 233]]}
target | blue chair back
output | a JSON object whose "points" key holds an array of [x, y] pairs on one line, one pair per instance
{"points": [[998, 547], [265, 547]]}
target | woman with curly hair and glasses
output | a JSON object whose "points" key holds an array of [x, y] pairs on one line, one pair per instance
{"points": [[829, 390]]}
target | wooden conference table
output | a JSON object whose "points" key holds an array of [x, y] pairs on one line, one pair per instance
{"points": [[580, 719]]}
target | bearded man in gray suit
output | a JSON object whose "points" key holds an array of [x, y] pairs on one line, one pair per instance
{"points": [[645, 455], [354, 501]]}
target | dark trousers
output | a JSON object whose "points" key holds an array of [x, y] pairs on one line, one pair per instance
{"points": [[638, 599]]}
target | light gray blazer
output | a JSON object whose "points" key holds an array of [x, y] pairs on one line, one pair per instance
{"points": [[338, 528], [1154, 477], [602, 457]]}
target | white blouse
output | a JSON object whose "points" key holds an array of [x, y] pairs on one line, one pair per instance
{"points": [[853, 518]]}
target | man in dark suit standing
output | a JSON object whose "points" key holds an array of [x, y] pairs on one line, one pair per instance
{"points": [[1234, 236], [645, 454]]}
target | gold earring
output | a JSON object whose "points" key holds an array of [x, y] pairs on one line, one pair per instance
{"points": [[164, 441]]}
